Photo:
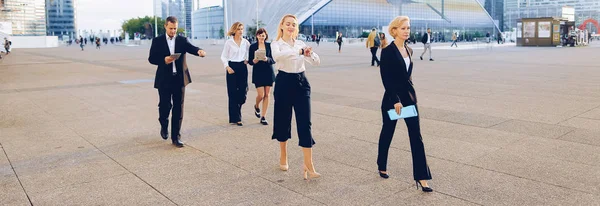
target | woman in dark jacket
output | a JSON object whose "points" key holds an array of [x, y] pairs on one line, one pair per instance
{"points": [[396, 69], [339, 41], [263, 75]]}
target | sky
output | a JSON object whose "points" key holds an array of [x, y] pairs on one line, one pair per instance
{"points": [[110, 14]]}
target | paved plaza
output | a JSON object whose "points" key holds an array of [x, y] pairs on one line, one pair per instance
{"points": [[502, 125]]}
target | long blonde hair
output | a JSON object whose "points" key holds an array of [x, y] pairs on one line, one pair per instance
{"points": [[280, 30], [396, 23], [234, 28]]}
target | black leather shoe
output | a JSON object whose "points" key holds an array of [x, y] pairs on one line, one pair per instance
{"points": [[421, 57], [164, 133], [383, 175], [430, 59], [240, 124], [164, 129], [178, 143]]}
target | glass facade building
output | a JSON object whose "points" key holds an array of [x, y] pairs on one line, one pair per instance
{"points": [[444, 17], [28, 17], [208, 23], [496, 9], [584, 10], [188, 4], [355, 17], [182, 9], [60, 18]]}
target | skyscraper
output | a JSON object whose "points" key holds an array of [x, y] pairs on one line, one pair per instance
{"points": [[188, 17], [60, 18], [496, 10], [182, 9], [158, 8], [28, 17]]}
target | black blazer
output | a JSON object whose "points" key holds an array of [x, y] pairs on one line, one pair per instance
{"points": [[164, 72], [424, 38], [262, 67], [253, 48], [396, 80]]}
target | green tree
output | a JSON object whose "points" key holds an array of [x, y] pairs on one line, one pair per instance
{"points": [[365, 34], [222, 32], [139, 24]]}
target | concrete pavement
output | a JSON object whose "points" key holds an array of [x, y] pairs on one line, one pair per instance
{"points": [[501, 126]]}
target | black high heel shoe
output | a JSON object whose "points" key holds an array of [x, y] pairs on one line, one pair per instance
{"points": [[425, 189], [383, 175]]}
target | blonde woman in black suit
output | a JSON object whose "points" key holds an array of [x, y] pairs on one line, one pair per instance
{"points": [[396, 69]]}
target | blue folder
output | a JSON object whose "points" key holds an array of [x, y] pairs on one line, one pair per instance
{"points": [[405, 112]]}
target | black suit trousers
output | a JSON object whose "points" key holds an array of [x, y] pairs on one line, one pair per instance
{"points": [[171, 98], [237, 88], [374, 56], [420, 168], [292, 91]]}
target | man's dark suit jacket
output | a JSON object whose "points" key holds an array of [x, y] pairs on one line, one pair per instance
{"points": [[396, 80], [424, 38], [159, 50]]}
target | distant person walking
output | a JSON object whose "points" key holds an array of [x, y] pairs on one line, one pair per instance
{"points": [[7, 45], [426, 40], [98, 43], [373, 43], [339, 41], [500, 38], [318, 39], [383, 40], [454, 39], [81, 42]]}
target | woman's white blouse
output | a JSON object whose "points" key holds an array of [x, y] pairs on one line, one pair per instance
{"points": [[233, 52], [288, 59]]}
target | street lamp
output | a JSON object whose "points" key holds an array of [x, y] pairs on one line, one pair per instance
{"points": [[23, 23]]}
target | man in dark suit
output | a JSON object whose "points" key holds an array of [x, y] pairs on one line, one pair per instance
{"points": [[172, 75], [426, 40]]}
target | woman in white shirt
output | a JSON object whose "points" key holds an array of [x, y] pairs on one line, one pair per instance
{"points": [[234, 58], [292, 90]]}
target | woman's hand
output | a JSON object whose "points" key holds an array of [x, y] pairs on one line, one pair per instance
{"points": [[398, 107], [307, 51], [255, 61], [230, 70]]}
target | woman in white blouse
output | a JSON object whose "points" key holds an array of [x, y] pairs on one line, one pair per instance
{"points": [[234, 57], [292, 90]]}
